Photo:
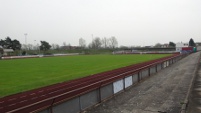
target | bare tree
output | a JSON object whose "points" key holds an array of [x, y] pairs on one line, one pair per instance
{"points": [[35, 47], [30, 47], [38, 46], [24, 47], [54, 46], [113, 42], [82, 43], [96, 43], [105, 42], [90, 45], [64, 43], [57, 47], [157, 45]]}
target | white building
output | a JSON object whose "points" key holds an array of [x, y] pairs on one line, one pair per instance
{"points": [[180, 45], [7, 52]]}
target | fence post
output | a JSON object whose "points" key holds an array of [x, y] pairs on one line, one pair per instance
{"points": [[80, 105], [51, 111], [149, 69], [124, 82], [139, 78], [99, 93]]}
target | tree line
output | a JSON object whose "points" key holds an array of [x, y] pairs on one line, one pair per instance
{"points": [[44, 46], [8, 43], [172, 44], [98, 43]]}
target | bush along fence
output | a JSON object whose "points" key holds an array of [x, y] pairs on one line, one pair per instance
{"points": [[77, 95]]}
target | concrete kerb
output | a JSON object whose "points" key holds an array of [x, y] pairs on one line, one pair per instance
{"points": [[186, 101]]}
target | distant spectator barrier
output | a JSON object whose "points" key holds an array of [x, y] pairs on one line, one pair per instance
{"points": [[36, 56]]}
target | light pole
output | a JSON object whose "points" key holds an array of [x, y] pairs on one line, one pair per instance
{"points": [[92, 37], [35, 46], [25, 40]]}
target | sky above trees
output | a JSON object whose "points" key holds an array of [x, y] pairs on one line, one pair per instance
{"points": [[132, 22]]}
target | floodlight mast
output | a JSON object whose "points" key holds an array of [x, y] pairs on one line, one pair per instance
{"points": [[25, 38], [25, 34]]}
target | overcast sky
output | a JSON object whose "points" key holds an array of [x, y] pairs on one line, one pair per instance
{"points": [[132, 22]]}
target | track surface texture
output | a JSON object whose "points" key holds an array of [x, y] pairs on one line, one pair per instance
{"points": [[163, 92]]}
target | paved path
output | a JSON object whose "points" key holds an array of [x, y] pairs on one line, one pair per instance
{"points": [[195, 96], [164, 91]]}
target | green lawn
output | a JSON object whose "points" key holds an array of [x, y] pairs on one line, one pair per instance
{"points": [[24, 74]]}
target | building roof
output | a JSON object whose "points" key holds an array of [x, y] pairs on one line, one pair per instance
{"points": [[8, 50], [182, 45], [198, 43]]}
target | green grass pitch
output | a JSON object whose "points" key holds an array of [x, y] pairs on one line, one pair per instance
{"points": [[24, 74]]}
